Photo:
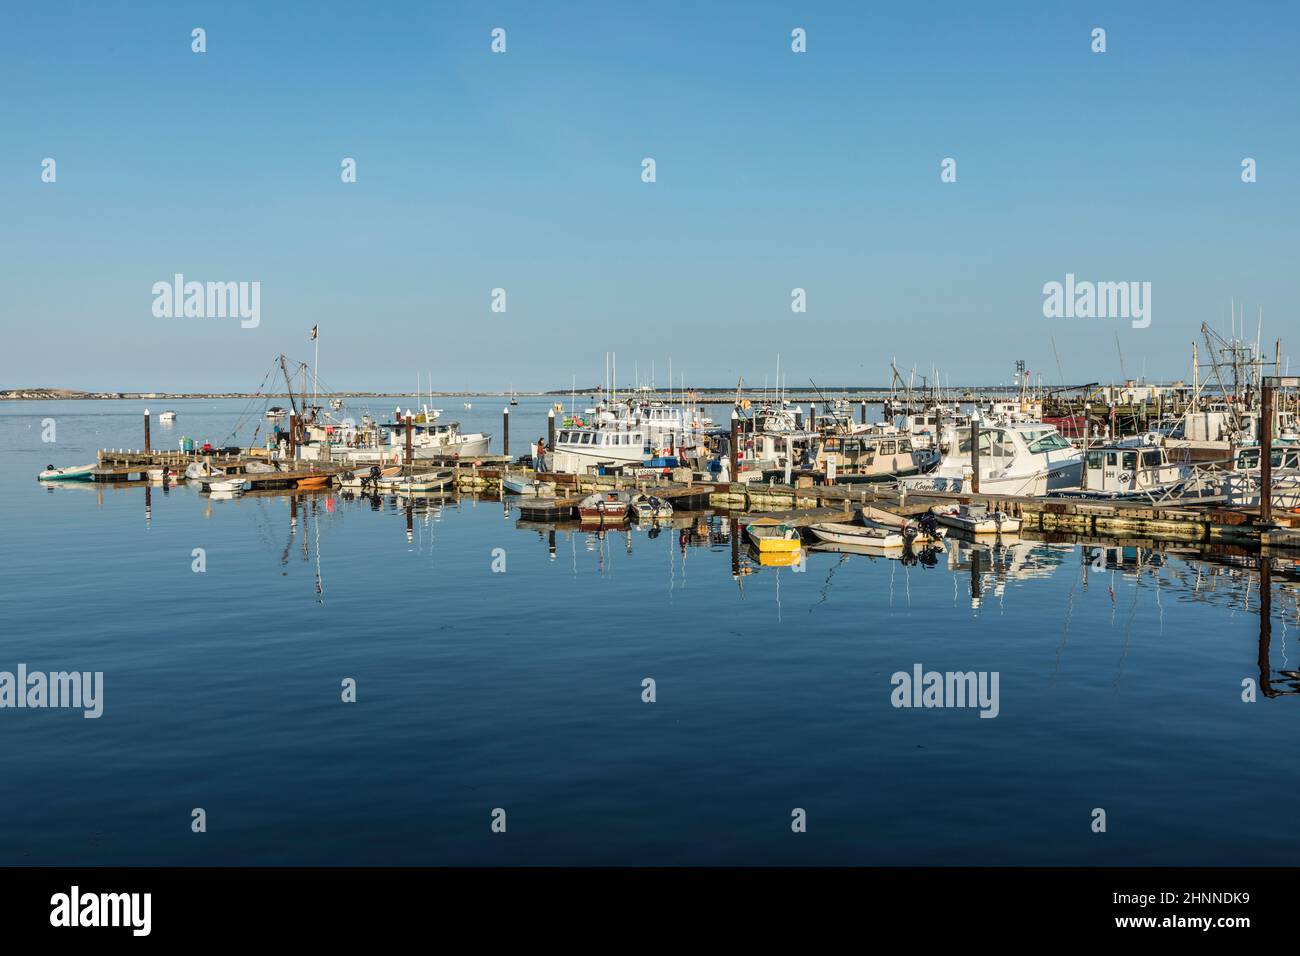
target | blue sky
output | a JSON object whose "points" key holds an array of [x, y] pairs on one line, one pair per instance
{"points": [[522, 171]]}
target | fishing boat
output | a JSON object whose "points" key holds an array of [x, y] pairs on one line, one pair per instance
{"points": [[579, 448], [607, 507], [976, 519], [433, 439], [1028, 459], [769, 534], [167, 417], [78, 473], [275, 413], [650, 508]]}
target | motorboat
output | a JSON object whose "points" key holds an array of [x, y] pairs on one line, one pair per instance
{"points": [[1022, 458], [857, 535], [78, 473], [976, 519], [166, 474], [607, 507], [417, 484], [769, 534], [923, 530], [650, 508], [234, 485], [580, 448], [167, 417]]}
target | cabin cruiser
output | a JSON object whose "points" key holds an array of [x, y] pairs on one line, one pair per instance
{"points": [[1024, 458], [439, 440]]}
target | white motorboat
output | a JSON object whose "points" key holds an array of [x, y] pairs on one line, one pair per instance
{"points": [[923, 530], [167, 474], [234, 486], [581, 448], [876, 536], [417, 484], [976, 519], [360, 480], [167, 417], [650, 508], [1025, 458], [526, 486], [439, 440]]}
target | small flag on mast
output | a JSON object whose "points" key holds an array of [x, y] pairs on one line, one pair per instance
{"points": [[313, 332]]}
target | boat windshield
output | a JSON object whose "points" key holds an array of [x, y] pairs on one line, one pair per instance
{"points": [[1044, 441]]}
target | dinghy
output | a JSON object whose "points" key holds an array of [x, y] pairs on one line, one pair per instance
{"points": [[79, 473], [168, 475], [650, 508], [607, 507], [768, 534], [419, 484], [872, 536], [526, 486], [925, 530], [359, 480], [233, 486], [976, 519]]}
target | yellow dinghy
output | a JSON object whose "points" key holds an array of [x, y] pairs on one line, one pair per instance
{"points": [[770, 535]]}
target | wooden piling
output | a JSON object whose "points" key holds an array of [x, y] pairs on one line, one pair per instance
{"points": [[735, 445], [409, 428], [147, 446], [975, 454], [1266, 455], [505, 431]]}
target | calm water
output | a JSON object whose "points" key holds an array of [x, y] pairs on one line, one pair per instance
{"points": [[1120, 686]]}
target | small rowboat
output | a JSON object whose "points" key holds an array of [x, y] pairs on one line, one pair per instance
{"points": [[606, 507], [419, 484], [234, 486], [79, 473], [313, 481], [976, 519], [650, 508], [169, 475], [355, 480], [768, 534], [925, 531], [526, 487], [874, 536]]}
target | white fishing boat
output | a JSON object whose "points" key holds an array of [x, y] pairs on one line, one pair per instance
{"points": [[167, 417], [77, 473], [579, 449], [1026, 459], [650, 508], [434, 439], [976, 519], [275, 413]]}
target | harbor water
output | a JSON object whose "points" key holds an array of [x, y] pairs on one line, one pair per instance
{"points": [[504, 668]]}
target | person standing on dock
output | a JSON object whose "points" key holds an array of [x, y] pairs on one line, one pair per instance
{"points": [[539, 461]]}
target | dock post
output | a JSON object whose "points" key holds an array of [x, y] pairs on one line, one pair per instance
{"points": [[975, 453], [146, 431], [812, 416], [862, 413], [408, 437], [550, 438], [1266, 455], [505, 431], [735, 445]]}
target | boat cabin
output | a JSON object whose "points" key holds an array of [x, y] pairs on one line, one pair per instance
{"points": [[1120, 469]]}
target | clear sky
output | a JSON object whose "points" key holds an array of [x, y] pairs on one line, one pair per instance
{"points": [[522, 171]]}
